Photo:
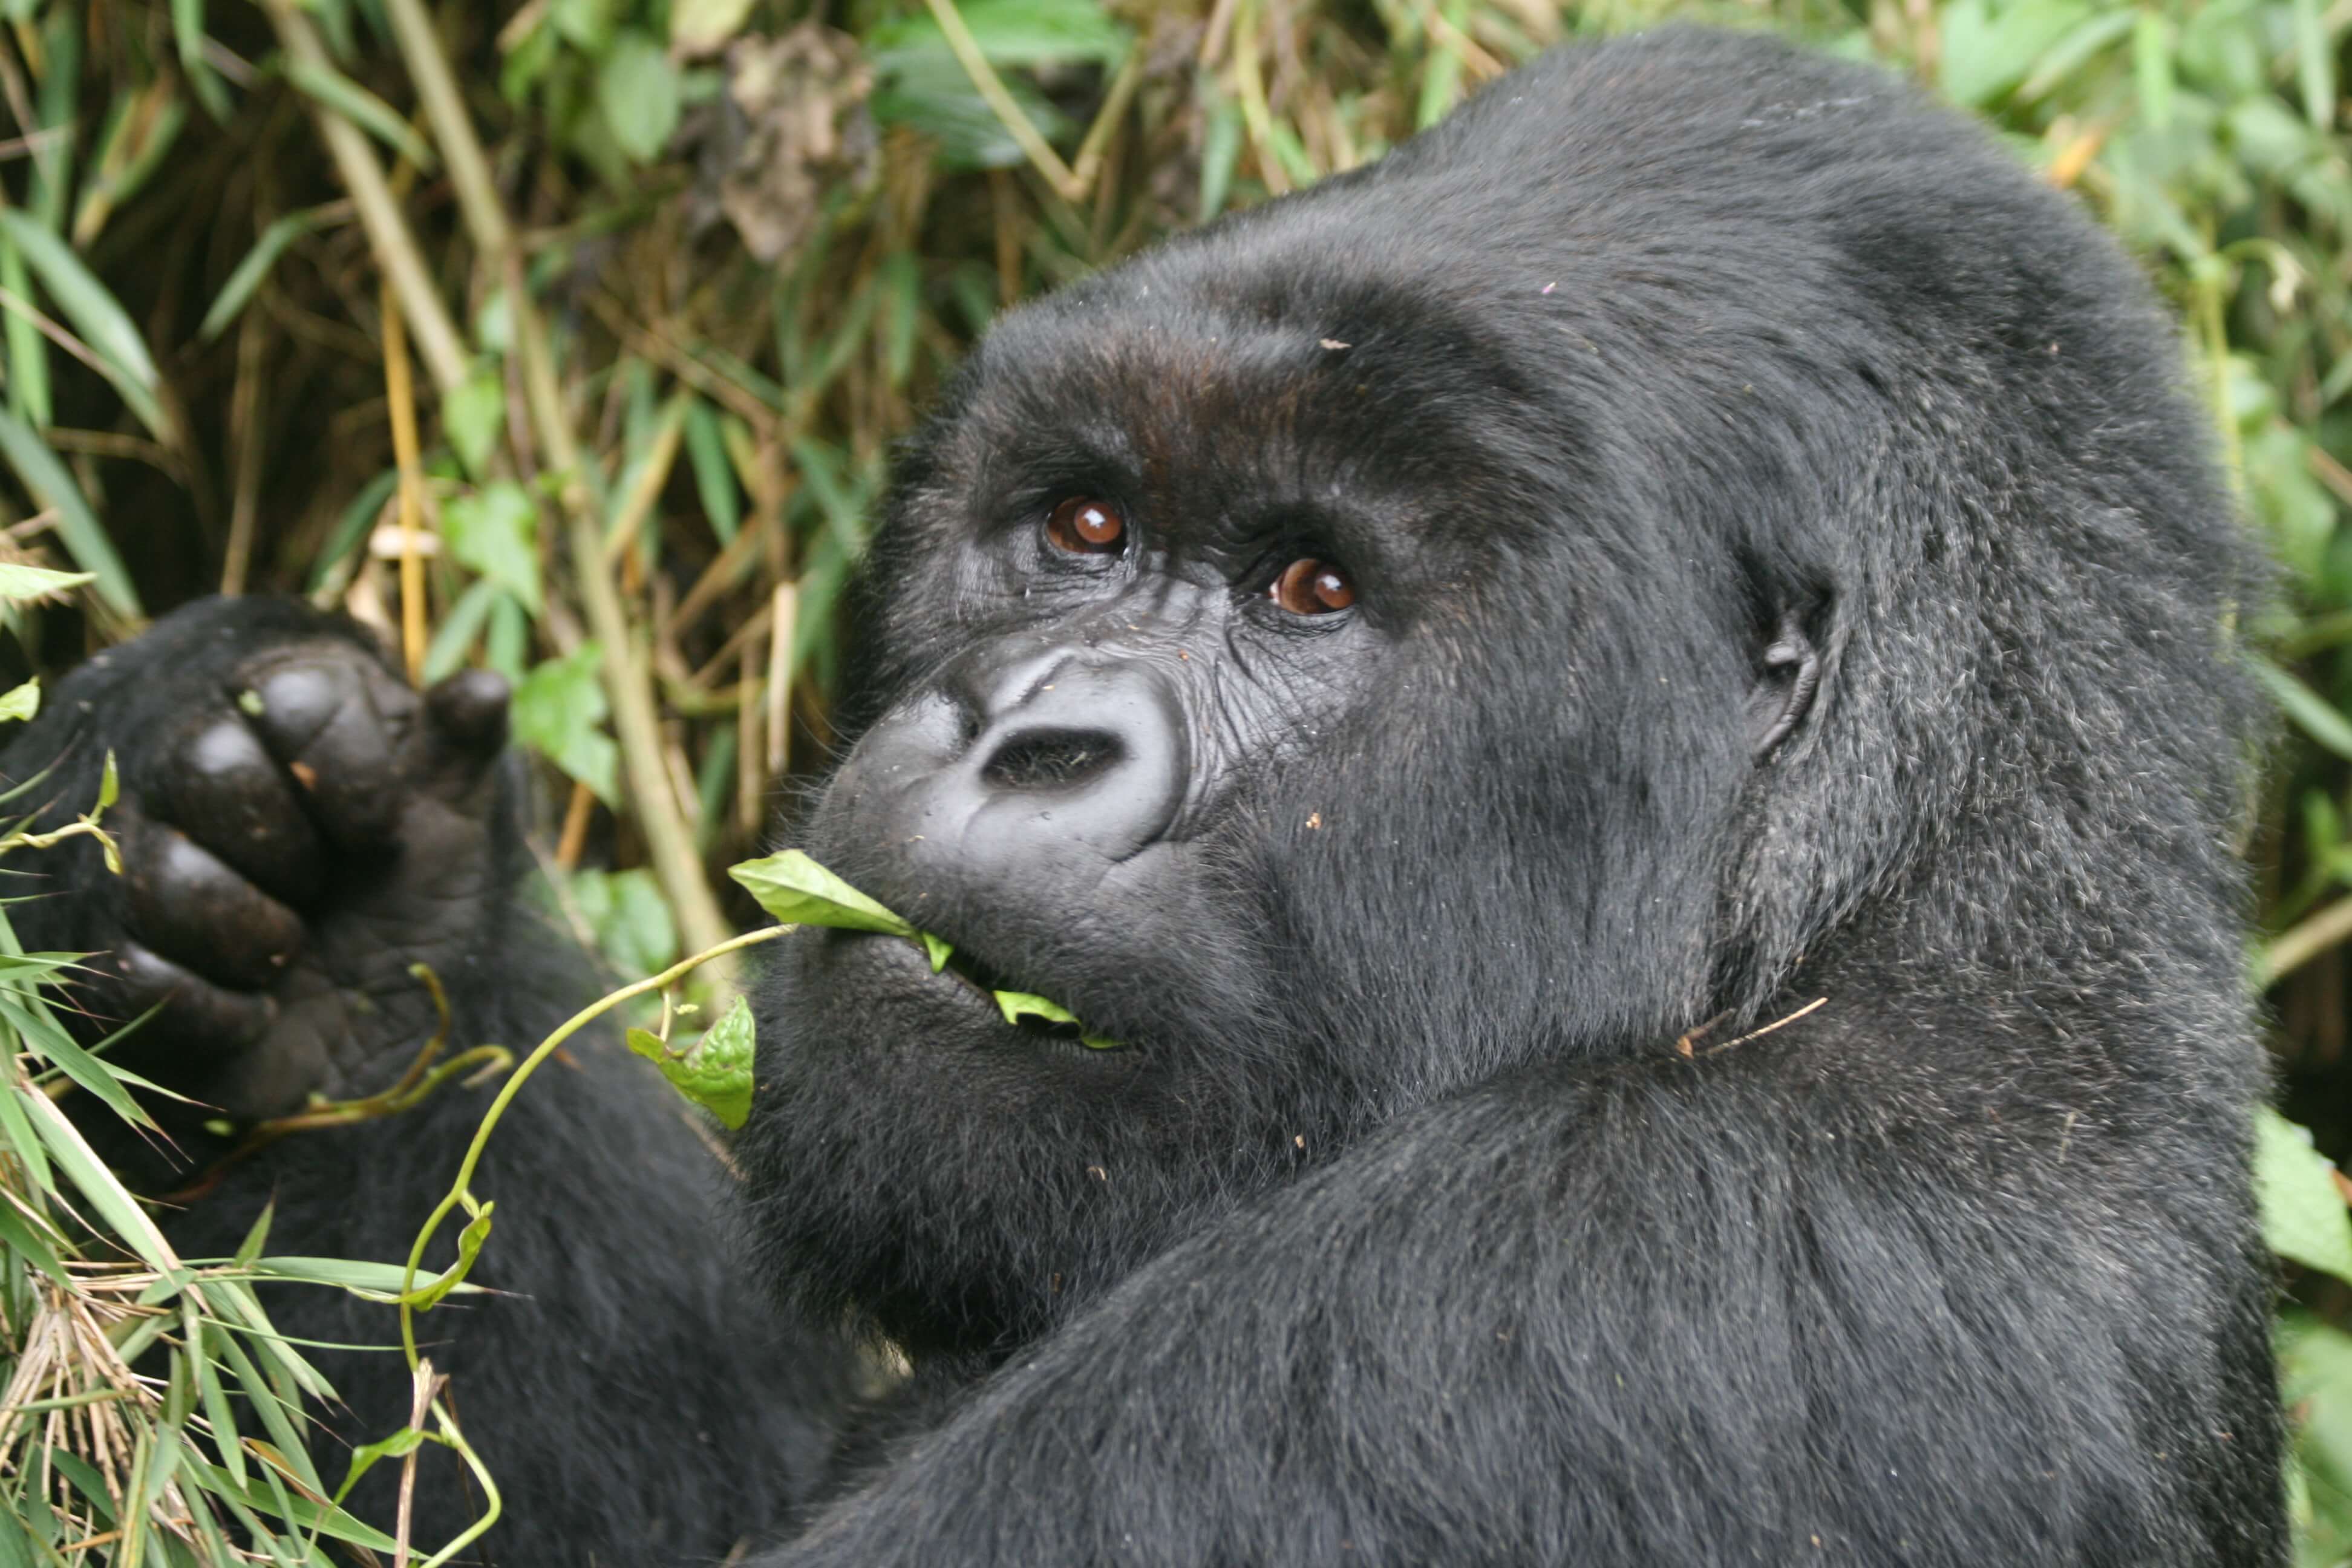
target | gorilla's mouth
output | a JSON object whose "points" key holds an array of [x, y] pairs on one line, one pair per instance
{"points": [[979, 992], [798, 891]]}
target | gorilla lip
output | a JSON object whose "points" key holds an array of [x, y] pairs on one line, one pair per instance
{"points": [[977, 986]]}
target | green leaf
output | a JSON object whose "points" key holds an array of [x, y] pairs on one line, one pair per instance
{"points": [[473, 415], [631, 918], [454, 638], [2152, 67], [714, 476], [1018, 1005], [1010, 32], [246, 280], [298, 1510], [702, 27], [930, 93], [2322, 722], [1220, 151], [2314, 65], [920, 83], [637, 90], [556, 709], [77, 525], [188, 33], [715, 1072], [937, 949], [586, 25], [373, 1281], [429, 1294], [21, 701], [44, 1035], [102, 321], [17, 583], [399, 1445], [495, 533], [28, 352], [1984, 55], [2304, 1217], [96, 1185], [332, 90], [798, 892], [34, 1246]]}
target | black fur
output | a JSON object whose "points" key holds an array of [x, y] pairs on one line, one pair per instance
{"points": [[1559, 1120]]}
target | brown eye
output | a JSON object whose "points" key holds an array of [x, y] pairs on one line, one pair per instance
{"points": [[1312, 587], [1084, 526]]}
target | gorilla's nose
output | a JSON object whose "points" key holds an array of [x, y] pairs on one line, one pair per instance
{"points": [[1071, 751], [1024, 770]]}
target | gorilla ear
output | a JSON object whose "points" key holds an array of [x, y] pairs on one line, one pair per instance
{"points": [[1784, 688]]}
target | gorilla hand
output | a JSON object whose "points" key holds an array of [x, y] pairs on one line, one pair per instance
{"points": [[298, 827]]}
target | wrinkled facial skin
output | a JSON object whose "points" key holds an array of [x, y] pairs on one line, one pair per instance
{"points": [[1160, 782], [1067, 779]]}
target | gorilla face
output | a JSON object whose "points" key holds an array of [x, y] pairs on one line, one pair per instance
{"points": [[1211, 657]]}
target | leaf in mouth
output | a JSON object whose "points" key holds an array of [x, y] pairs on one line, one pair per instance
{"points": [[798, 892]]}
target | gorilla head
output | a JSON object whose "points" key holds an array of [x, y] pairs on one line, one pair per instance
{"points": [[1628, 562]]}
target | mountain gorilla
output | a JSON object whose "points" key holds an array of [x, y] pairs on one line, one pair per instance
{"points": [[1628, 717]]}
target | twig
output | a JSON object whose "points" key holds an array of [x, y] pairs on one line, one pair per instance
{"points": [[575, 827], [653, 473], [245, 431], [668, 840], [1249, 86], [401, 399], [1687, 1046], [1114, 108], [2301, 942], [423, 1383], [452, 130], [783, 613], [1781, 1023], [461, 1189], [437, 338], [1001, 102]]}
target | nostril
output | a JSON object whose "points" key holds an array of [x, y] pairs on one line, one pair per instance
{"points": [[1045, 760]]}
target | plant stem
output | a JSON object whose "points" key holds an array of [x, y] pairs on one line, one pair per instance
{"points": [[1001, 101], [636, 722], [462, 1188], [439, 342]]}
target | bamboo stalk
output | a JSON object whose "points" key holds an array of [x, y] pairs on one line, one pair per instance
{"points": [[668, 840], [442, 346], [400, 398], [1000, 100]]}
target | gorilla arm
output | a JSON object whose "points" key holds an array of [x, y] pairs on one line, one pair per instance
{"points": [[297, 829], [1743, 1309]]}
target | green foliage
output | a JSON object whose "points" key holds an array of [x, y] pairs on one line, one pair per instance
{"points": [[82, 1267], [796, 891], [2304, 1217], [752, 236], [715, 1072], [557, 710], [629, 918]]}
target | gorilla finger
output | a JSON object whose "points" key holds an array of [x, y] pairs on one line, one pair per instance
{"points": [[199, 1020], [200, 912], [339, 722], [469, 710], [227, 794], [467, 729], [252, 1086]]}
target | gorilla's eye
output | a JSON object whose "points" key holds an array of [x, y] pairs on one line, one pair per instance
{"points": [[1312, 587], [1084, 526]]}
